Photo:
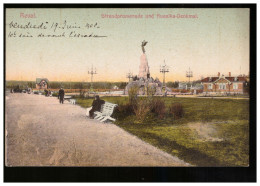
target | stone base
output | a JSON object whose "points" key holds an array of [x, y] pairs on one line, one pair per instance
{"points": [[146, 86]]}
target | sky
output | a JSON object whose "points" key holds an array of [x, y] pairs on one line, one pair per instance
{"points": [[216, 40]]}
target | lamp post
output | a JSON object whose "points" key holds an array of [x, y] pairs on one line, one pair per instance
{"points": [[189, 74], [129, 75], [164, 69], [92, 72]]}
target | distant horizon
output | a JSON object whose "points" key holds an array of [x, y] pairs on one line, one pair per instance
{"points": [[128, 81]]}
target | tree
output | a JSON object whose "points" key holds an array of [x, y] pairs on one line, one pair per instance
{"points": [[172, 84]]}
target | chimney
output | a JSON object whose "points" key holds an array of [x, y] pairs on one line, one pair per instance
{"points": [[218, 74], [229, 74]]}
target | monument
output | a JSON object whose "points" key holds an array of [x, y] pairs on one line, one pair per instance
{"points": [[144, 68], [145, 83]]}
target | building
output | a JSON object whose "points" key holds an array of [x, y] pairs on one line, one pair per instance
{"points": [[190, 86], [225, 84], [42, 83], [183, 85], [115, 87], [197, 88]]}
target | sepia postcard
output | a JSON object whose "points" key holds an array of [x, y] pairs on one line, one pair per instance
{"points": [[127, 87]]}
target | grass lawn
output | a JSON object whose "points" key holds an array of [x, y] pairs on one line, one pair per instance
{"points": [[213, 132]]}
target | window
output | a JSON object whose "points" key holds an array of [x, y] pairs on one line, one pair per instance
{"points": [[235, 86], [210, 86], [222, 86]]}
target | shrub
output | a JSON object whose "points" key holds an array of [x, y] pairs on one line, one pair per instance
{"points": [[127, 109], [55, 94], [142, 108], [151, 90], [184, 91], [133, 92], [82, 93], [176, 109], [158, 107], [123, 111]]}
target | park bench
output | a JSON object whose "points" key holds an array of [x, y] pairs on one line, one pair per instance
{"points": [[105, 113], [69, 99]]}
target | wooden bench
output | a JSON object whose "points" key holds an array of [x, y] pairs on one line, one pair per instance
{"points": [[68, 98], [105, 113], [107, 110]]}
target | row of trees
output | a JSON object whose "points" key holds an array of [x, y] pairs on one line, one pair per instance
{"points": [[68, 85], [81, 85], [172, 84]]}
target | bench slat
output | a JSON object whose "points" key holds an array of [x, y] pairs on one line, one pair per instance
{"points": [[107, 110]]}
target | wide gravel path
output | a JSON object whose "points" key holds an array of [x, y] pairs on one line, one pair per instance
{"points": [[41, 132]]}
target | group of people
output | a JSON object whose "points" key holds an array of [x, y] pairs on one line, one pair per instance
{"points": [[96, 104]]}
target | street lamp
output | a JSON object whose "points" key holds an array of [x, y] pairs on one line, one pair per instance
{"points": [[129, 75], [189, 74], [92, 72], [164, 69]]}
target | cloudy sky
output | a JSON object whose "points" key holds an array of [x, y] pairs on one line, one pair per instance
{"points": [[216, 40]]}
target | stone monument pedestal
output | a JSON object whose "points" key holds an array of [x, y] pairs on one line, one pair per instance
{"points": [[143, 67]]}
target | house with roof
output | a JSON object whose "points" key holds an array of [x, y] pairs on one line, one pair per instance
{"points": [[42, 83], [225, 84]]}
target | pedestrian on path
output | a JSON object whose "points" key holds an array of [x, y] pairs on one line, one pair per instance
{"points": [[61, 95]]}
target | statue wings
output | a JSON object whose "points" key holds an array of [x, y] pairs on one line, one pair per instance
{"points": [[144, 43]]}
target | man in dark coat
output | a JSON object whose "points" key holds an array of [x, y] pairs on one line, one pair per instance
{"points": [[61, 95], [46, 92], [96, 106]]}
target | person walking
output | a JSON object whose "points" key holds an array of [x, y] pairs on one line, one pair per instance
{"points": [[61, 95]]}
